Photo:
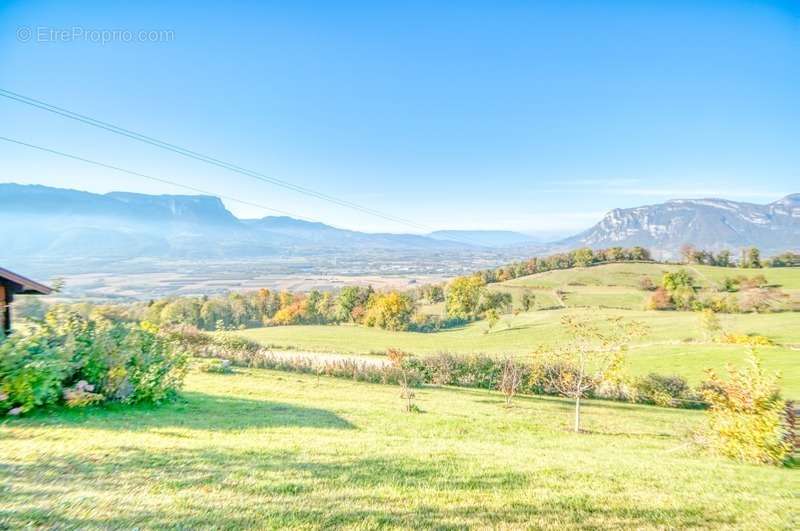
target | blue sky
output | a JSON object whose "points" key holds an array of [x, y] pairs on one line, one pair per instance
{"points": [[533, 116]]}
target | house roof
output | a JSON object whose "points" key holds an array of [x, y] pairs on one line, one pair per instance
{"points": [[28, 286]]}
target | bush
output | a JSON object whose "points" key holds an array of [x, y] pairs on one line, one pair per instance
{"points": [[664, 390], [748, 421], [217, 366], [646, 284], [660, 300], [92, 361], [31, 372], [476, 371], [746, 339]]}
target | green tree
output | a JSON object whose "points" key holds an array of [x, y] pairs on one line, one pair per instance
{"points": [[677, 279], [492, 318], [528, 300], [752, 258], [584, 257]]}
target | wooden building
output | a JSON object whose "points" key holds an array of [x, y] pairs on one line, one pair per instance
{"points": [[10, 285]]}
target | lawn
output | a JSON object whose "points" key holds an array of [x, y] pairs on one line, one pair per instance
{"points": [[674, 344], [277, 450]]}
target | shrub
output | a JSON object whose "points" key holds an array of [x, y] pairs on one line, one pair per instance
{"points": [[663, 390], [91, 360], [746, 339], [31, 372], [217, 366], [747, 418], [660, 300], [646, 284]]}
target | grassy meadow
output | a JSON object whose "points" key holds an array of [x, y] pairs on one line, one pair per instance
{"points": [[272, 450], [676, 343]]}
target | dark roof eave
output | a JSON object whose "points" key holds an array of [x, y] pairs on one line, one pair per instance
{"points": [[29, 287]]}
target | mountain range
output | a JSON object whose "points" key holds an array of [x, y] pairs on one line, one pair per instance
{"points": [[712, 224], [41, 221]]}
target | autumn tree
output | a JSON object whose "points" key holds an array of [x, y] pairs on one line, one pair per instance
{"points": [[464, 296], [390, 311], [710, 324], [747, 417], [398, 360], [591, 354]]}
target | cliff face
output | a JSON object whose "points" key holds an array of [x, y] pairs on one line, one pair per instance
{"points": [[712, 224]]}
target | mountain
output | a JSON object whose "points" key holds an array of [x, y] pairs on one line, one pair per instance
{"points": [[486, 238], [712, 224], [52, 224], [41, 221]]}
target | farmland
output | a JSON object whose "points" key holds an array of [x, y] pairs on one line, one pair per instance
{"points": [[675, 344], [267, 449]]}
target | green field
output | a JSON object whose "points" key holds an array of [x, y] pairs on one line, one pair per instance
{"points": [[617, 285], [273, 450], [674, 345]]}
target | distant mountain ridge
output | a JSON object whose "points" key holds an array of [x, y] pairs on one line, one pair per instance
{"points": [[712, 224], [46, 222], [488, 238]]}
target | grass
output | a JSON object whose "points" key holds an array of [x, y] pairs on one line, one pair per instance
{"points": [[674, 344], [274, 450], [617, 285]]}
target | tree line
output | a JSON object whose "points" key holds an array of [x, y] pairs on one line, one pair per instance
{"points": [[583, 257]]}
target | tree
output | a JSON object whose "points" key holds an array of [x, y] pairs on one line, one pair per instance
{"points": [[510, 380], [751, 258], [591, 354], [528, 300], [747, 417], [688, 253], [496, 300], [349, 300], [397, 358], [492, 318], [463, 297], [676, 279], [390, 311], [710, 324], [723, 258], [583, 257]]}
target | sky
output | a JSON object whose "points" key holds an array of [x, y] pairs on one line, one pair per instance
{"points": [[529, 116]]}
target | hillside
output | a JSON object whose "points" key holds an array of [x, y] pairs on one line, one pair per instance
{"points": [[270, 450], [712, 224], [618, 285], [59, 223], [46, 223]]}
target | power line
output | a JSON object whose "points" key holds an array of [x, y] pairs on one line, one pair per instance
{"points": [[152, 178], [204, 158]]}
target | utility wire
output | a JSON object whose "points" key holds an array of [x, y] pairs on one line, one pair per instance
{"points": [[204, 158], [152, 178]]}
